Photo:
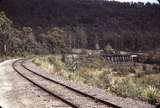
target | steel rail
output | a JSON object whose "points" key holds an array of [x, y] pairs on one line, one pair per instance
{"points": [[73, 89], [44, 89]]}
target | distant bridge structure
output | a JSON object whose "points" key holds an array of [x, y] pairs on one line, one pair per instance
{"points": [[120, 59], [112, 58]]}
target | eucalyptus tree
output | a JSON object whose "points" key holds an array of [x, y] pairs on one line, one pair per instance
{"points": [[5, 32]]}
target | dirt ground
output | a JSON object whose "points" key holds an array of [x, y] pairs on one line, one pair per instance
{"points": [[16, 92]]}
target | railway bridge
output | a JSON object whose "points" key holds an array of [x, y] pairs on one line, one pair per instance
{"points": [[119, 59]]}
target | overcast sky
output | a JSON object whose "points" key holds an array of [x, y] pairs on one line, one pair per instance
{"points": [[145, 1]]}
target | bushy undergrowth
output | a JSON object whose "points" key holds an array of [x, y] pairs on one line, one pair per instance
{"points": [[152, 58], [94, 71], [50, 63], [137, 88]]}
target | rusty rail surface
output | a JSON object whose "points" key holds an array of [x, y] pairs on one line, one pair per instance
{"points": [[68, 87]]}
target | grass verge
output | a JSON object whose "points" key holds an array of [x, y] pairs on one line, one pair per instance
{"points": [[96, 72]]}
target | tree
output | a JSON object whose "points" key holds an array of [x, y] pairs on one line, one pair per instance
{"points": [[5, 32], [56, 40], [108, 49], [84, 24]]}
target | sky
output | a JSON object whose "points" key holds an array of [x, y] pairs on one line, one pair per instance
{"points": [[145, 1]]}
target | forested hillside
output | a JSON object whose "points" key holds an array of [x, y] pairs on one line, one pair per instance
{"points": [[50, 26]]}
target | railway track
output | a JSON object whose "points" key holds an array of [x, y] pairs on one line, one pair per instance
{"points": [[68, 95]]}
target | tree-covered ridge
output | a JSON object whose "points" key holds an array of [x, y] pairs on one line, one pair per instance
{"points": [[74, 12], [15, 41], [45, 26]]}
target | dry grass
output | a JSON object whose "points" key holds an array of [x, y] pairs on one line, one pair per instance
{"points": [[137, 88], [96, 72]]}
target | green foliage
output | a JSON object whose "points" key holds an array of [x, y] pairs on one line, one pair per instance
{"points": [[104, 80], [5, 32], [50, 63], [136, 88], [108, 49], [14, 41], [56, 40], [150, 57], [95, 72], [126, 26], [152, 94], [126, 87], [153, 59], [4, 21]]}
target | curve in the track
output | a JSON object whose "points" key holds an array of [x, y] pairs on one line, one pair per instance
{"points": [[44, 89], [73, 89]]}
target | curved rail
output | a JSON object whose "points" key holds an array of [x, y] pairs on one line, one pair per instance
{"points": [[44, 89], [73, 89]]}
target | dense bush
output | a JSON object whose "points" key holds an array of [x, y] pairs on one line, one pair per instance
{"points": [[152, 61], [145, 87], [137, 88], [87, 23], [151, 58], [14, 41]]}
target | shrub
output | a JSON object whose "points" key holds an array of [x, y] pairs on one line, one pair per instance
{"points": [[127, 87], [136, 88], [104, 80], [152, 94], [93, 72]]}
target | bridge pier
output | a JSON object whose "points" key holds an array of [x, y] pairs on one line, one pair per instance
{"points": [[119, 59]]}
